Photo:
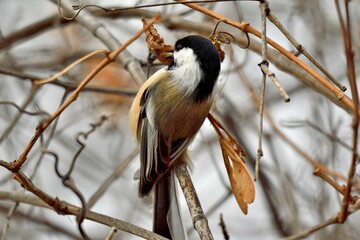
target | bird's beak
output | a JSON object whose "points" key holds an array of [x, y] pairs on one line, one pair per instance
{"points": [[170, 55]]}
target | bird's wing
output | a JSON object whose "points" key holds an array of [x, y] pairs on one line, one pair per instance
{"points": [[157, 153], [139, 102]]}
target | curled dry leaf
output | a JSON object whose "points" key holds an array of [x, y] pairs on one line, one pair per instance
{"points": [[157, 47], [215, 40], [242, 184]]}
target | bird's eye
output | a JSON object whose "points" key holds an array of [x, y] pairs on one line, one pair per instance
{"points": [[178, 47]]}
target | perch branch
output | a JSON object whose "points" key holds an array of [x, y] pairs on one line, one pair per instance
{"points": [[199, 219]]}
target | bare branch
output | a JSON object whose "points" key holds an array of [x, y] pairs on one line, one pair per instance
{"points": [[69, 209]]}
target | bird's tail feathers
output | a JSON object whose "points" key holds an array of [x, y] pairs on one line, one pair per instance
{"points": [[168, 221]]}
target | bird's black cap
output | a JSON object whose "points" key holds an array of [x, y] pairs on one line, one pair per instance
{"points": [[209, 61]]}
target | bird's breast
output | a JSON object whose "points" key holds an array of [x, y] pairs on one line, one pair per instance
{"points": [[175, 115]]}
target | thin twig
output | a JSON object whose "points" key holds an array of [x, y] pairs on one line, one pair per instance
{"points": [[271, 75], [260, 127], [68, 68], [341, 189], [319, 173], [111, 234], [68, 182], [346, 31], [302, 49], [263, 87], [45, 144], [81, 7]]}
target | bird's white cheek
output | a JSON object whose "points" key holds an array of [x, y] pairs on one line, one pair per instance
{"points": [[185, 55], [187, 73]]}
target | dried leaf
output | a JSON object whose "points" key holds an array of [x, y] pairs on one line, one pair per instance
{"points": [[157, 47], [217, 44], [241, 182]]}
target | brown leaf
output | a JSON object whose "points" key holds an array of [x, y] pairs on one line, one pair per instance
{"points": [[157, 46], [241, 182]]}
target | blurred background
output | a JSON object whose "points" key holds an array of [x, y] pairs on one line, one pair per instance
{"points": [[35, 43]]}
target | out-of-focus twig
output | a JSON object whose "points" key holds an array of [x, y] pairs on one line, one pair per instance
{"points": [[108, 181], [88, 21], [16, 165], [30, 30], [7, 220], [41, 220], [66, 178], [333, 220], [69, 86], [22, 110], [316, 127], [223, 228]]}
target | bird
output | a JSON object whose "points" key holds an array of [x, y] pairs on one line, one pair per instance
{"points": [[167, 112]]}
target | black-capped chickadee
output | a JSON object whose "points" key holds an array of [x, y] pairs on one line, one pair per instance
{"points": [[167, 112]]}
